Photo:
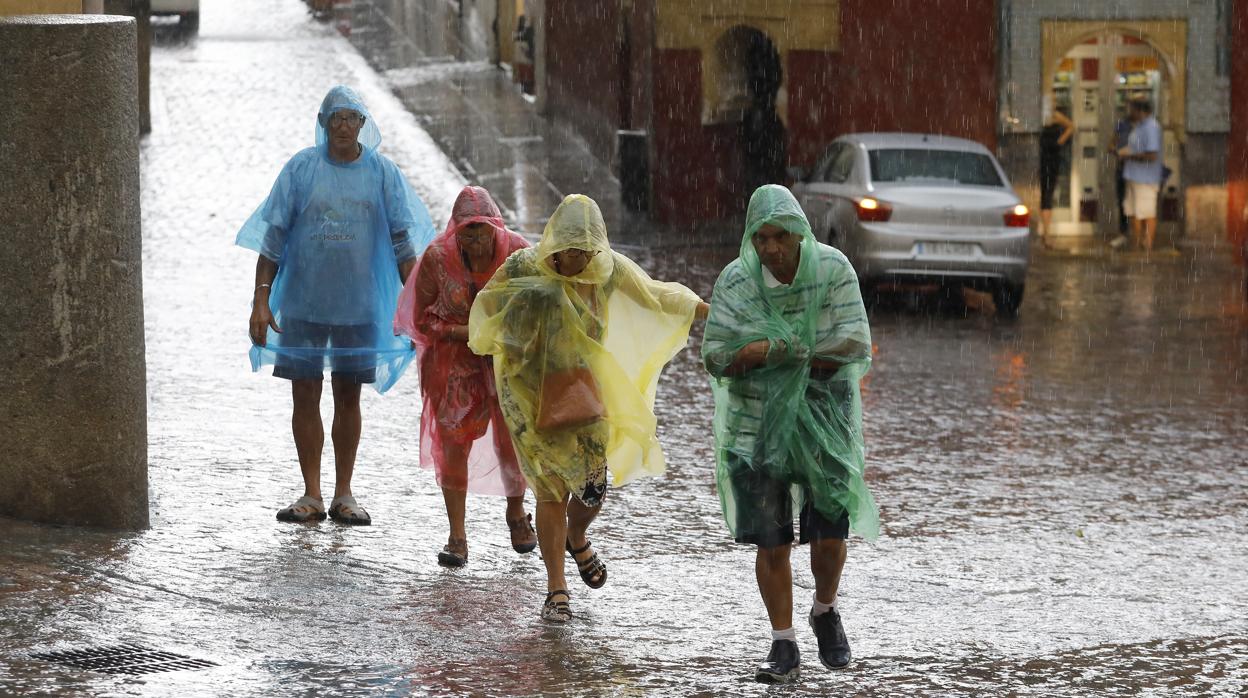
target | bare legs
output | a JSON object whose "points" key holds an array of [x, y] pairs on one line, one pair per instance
{"points": [[1046, 226], [346, 433], [559, 523], [552, 532], [775, 583], [1144, 233], [455, 504], [775, 577], [827, 559], [456, 460], [515, 508], [309, 433]]}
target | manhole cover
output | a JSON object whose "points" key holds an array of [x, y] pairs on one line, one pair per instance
{"points": [[124, 659]]}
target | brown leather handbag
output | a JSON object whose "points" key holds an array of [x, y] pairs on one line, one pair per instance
{"points": [[570, 398]]}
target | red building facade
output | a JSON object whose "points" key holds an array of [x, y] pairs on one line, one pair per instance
{"points": [[1237, 140], [677, 71]]}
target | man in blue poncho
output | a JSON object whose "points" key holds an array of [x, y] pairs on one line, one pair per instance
{"points": [[787, 343], [337, 237]]}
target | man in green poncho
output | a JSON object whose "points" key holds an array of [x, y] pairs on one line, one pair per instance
{"points": [[787, 343]]}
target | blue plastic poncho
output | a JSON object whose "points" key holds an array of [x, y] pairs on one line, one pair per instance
{"points": [[338, 232], [787, 422]]}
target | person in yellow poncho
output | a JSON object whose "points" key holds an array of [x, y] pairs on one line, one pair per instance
{"points": [[579, 334]]}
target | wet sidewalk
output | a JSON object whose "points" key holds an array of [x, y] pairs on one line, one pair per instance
{"points": [[1064, 497]]}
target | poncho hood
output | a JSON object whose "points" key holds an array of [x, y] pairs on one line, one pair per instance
{"points": [[340, 98], [577, 224]]}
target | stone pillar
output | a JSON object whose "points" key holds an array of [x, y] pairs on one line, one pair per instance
{"points": [[73, 412], [141, 11]]}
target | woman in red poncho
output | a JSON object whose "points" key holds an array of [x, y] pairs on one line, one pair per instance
{"points": [[462, 434]]}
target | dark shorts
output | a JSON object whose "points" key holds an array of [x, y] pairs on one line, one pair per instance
{"points": [[764, 513], [319, 340]]}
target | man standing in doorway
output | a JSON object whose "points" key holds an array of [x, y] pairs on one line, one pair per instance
{"points": [[1122, 132], [1142, 169]]}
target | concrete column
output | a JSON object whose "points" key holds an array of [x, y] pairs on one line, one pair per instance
{"points": [[73, 412], [141, 11]]}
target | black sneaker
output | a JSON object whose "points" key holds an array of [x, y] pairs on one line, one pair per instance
{"points": [[781, 663], [833, 645]]}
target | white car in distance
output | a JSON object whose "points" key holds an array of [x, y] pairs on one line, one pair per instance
{"points": [[187, 12], [917, 209]]}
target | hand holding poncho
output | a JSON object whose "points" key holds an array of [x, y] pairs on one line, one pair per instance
{"points": [[624, 328], [780, 420], [460, 403], [338, 231]]}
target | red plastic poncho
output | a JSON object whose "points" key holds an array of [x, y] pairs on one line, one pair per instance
{"points": [[461, 411]]}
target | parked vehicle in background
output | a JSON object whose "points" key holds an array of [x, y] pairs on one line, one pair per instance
{"points": [[187, 12], [915, 208]]}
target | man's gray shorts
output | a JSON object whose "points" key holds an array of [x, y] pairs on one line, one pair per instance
{"points": [[322, 341], [764, 512]]}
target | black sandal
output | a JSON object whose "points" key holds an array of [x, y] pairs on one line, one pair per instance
{"points": [[557, 611], [590, 568], [454, 553]]}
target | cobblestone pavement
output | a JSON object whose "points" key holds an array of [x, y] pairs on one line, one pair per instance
{"points": [[1064, 496]]}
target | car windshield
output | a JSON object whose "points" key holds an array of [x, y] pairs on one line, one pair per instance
{"points": [[923, 165]]}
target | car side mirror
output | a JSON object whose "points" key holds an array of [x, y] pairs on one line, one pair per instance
{"points": [[797, 174]]}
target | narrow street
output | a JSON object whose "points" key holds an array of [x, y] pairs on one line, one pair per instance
{"points": [[1064, 496]]}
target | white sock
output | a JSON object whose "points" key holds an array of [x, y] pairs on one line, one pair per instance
{"points": [[790, 635], [821, 608]]}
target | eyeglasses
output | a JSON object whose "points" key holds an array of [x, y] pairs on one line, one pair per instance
{"points": [[351, 119], [573, 252]]}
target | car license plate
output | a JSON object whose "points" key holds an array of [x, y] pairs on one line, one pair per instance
{"points": [[945, 249]]}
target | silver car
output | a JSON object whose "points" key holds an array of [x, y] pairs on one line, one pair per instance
{"points": [[914, 208]]}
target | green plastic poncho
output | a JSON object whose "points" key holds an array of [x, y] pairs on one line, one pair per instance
{"points": [[785, 420], [622, 325]]}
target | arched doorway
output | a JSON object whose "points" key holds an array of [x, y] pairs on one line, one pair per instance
{"points": [[748, 76], [1095, 80]]}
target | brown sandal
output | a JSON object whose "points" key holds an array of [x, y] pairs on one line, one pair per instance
{"points": [[454, 553], [557, 611], [523, 537]]}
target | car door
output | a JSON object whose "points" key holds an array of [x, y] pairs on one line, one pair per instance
{"points": [[816, 193], [848, 184]]}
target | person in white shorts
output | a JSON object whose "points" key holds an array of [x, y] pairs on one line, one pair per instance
{"points": [[1142, 169]]}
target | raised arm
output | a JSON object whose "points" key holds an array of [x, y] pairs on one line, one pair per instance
{"points": [[670, 297]]}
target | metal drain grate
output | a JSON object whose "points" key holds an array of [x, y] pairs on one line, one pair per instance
{"points": [[124, 659]]}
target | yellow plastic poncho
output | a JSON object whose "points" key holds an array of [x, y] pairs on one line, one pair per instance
{"points": [[622, 325]]}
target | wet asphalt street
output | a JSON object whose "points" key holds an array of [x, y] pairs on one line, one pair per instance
{"points": [[1064, 496]]}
